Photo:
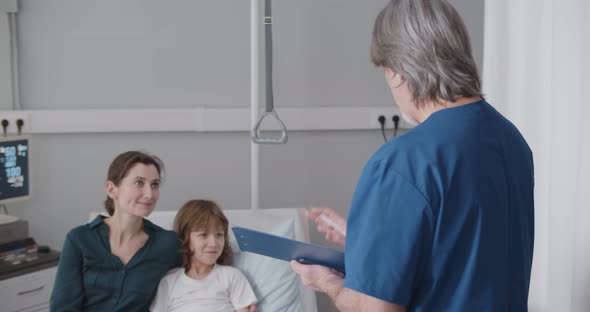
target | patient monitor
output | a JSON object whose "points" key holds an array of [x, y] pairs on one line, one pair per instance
{"points": [[14, 173]]}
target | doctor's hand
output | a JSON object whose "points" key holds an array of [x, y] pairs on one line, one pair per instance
{"points": [[250, 308], [333, 232], [318, 278]]}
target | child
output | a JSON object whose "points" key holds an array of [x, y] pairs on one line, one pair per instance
{"points": [[204, 283]]}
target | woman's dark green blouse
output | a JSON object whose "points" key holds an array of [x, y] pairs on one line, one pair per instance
{"points": [[90, 278]]}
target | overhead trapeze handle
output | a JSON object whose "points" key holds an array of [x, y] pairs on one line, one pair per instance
{"points": [[257, 138]]}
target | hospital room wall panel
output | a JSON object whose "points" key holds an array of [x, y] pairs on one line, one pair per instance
{"points": [[134, 54], [69, 172], [179, 54], [315, 169], [114, 54], [5, 61]]}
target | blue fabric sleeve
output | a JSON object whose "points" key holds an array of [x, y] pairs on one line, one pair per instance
{"points": [[68, 290], [389, 235]]}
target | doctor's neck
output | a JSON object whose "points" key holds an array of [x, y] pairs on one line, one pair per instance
{"points": [[430, 108]]}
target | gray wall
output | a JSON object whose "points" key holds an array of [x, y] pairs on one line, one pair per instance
{"points": [[178, 53], [182, 53], [134, 54], [472, 12], [313, 169]]}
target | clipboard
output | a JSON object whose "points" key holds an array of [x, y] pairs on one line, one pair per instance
{"points": [[287, 249]]}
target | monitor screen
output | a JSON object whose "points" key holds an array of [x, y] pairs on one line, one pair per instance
{"points": [[14, 168]]}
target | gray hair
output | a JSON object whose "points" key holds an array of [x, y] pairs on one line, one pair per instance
{"points": [[427, 43]]}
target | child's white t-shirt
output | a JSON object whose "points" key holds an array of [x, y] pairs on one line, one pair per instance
{"points": [[225, 289]]}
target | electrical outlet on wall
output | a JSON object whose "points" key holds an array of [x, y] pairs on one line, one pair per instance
{"points": [[388, 113], [374, 118], [12, 116]]}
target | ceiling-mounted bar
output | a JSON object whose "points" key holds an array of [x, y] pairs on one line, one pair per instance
{"points": [[269, 111]]}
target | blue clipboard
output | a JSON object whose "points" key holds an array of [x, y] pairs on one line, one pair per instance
{"points": [[287, 249]]}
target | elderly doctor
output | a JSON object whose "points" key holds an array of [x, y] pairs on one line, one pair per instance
{"points": [[442, 216]]}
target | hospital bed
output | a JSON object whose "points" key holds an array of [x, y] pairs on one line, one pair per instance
{"points": [[276, 286]]}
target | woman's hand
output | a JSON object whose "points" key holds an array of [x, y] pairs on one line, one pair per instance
{"points": [[332, 233]]}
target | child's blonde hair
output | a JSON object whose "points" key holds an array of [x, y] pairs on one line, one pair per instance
{"points": [[196, 215]]}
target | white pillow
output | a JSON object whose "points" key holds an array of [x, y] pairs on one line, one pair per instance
{"points": [[276, 286]]}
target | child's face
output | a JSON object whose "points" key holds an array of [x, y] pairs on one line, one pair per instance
{"points": [[207, 244]]}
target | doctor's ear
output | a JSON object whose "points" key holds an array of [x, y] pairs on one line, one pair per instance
{"points": [[389, 73], [394, 79], [111, 189]]}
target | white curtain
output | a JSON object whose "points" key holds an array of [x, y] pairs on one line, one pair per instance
{"points": [[536, 72]]}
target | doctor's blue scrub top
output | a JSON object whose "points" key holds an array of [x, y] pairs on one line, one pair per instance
{"points": [[90, 278], [442, 218]]}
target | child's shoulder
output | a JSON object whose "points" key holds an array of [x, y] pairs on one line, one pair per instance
{"points": [[173, 274]]}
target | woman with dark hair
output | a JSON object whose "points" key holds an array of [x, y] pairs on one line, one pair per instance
{"points": [[442, 218], [115, 263]]}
